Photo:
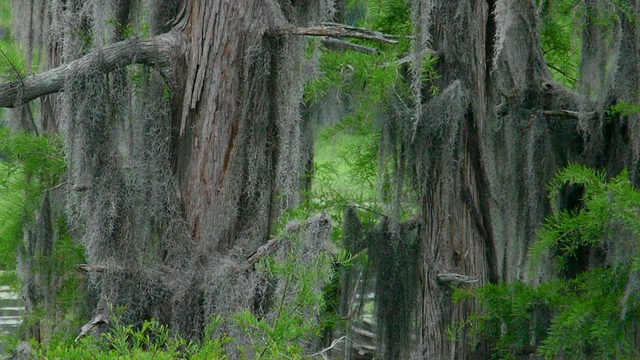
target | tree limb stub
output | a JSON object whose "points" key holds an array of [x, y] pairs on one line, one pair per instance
{"points": [[261, 252], [456, 279], [337, 30], [158, 51]]}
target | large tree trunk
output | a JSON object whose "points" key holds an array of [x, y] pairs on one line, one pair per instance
{"points": [[238, 157], [495, 136], [165, 189]]}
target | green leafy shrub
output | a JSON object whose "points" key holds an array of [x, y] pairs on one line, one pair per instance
{"points": [[151, 340]]}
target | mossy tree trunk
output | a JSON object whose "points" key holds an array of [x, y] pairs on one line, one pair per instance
{"points": [[175, 167], [484, 148]]}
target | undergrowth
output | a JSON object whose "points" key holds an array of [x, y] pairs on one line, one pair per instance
{"points": [[287, 331]]}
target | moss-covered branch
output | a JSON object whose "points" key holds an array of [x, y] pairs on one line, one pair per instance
{"points": [[337, 30], [158, 51]]}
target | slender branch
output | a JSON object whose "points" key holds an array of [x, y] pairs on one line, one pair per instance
{"points": [[571, 114], [333, 345], [89, 268], [158, 51], [336, 30], [64, 183], [562, 72], [341, 45]]}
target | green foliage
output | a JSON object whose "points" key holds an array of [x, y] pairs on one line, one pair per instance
{"points": [[590, 316], [604, 204], [345, 162], [28, 165], [575, 319], [623, 108], [508, 315], [11, 204], [33, 163], [369, 77], [151, 340], [390, 16], [559, 40], [347, 152]]}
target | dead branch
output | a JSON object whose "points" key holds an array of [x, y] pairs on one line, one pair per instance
{"points": [[333, 345], [341, 45], [97, 320], [261, 252], [90, 268], [64, 183], [158, 51], [336, 30], [363, 332], [571, 114]]}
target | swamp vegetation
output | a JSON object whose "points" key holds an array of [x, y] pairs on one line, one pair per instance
{"points": [[283, 179]]}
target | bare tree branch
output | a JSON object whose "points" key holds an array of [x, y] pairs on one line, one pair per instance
{"points": [[158, 51], [261, 252], [90, 268], [97, 320], [293, 227], [333, 345], [562, 72], [341, 45], [337, 30], [569, 113]]}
